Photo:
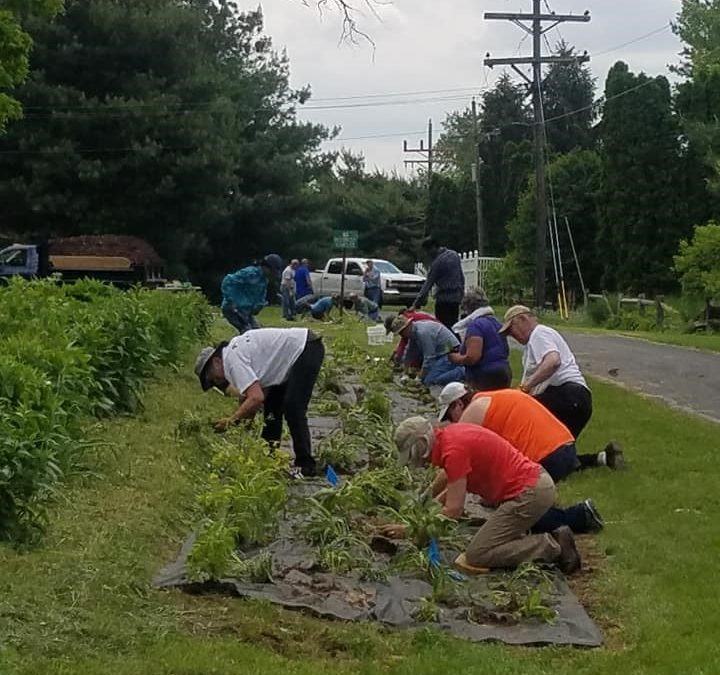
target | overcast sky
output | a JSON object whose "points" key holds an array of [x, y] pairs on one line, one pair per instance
{"points": [[432, 45]]}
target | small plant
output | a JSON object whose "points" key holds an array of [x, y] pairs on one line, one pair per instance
{"points": [[340, 451], [525, 593], [212, 553], [190, 425], [427, 612], [256, 570], [377, 403], [423, 518]]}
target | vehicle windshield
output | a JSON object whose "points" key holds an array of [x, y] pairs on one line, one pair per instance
{"points": [[14, 257], [385, 267]]}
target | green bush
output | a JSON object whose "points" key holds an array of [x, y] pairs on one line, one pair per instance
{"points": [[68, 353], [598, 312]]}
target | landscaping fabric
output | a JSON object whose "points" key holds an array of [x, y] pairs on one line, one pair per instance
{"points": [[298, 584]]}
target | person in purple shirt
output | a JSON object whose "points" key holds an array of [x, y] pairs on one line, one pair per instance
{"points": [[303, 283], [484, 351]]}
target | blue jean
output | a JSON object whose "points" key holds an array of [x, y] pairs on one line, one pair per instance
{"points": [[573, 516], [241, 321], [288, 303], [374, 294], [562, 462], [442, 372]]}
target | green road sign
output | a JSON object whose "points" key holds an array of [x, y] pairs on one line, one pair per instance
{"points": [[346, 239]]}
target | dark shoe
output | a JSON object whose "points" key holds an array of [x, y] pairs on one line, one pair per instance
{"points": [[569, 560], [614, 457], [593, 519], [308, 471]]}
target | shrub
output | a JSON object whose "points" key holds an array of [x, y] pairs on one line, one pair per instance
{"points": [[68, 353]]}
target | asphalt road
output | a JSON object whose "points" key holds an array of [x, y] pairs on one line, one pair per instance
{"points": [[684, 378]]}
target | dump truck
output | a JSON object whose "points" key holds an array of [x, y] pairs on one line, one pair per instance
{"points": [[117, 259]]}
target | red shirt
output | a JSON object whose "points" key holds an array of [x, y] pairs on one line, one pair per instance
{"points": [[494, 469]]}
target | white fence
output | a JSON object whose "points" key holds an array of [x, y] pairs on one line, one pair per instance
{"points": [[474, 268]]}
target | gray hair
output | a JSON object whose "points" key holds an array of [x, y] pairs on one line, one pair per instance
{"points": [[475, 298]]}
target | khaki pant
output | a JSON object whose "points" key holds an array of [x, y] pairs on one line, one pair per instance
{"points": [[503, 540]]}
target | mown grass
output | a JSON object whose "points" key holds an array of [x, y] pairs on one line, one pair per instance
{"points": [[82, 603]]}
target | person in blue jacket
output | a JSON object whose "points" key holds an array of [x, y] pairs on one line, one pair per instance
{"points": [[244, 292]]}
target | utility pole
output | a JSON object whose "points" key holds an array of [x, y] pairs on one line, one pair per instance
{"points": [[426, 152], [537, 30], [477, 179]]}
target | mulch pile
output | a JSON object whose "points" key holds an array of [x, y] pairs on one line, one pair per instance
{"points": [[137, 250]]}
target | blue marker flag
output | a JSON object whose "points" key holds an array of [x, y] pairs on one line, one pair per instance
{"points": [[434, 553], [331, 476]]}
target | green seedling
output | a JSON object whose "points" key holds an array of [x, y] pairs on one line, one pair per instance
{"points": [[427, 612], [423, 519], [340, 451], [257, 570], [526, 593]]}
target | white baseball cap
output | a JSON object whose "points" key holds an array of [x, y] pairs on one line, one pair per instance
{"points": [[451, 393]]}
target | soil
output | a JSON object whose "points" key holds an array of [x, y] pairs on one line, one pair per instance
{"points": [[137, 250]]}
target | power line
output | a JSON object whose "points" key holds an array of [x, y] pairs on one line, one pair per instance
{"points": [[183, 107], [379, 104], [110, 113], [362, 138], [404, 93], [663, 28]]}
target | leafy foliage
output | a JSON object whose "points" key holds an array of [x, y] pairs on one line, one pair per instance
{"points": [[246, 492], [69, 352], [642, 168], [698, 262], [15, 46]]}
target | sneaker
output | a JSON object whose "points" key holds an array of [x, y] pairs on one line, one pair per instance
{"points": [[593, 519], [614, 457], [296, 473], [569, 560]]}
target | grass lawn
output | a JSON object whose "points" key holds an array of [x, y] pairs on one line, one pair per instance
{"points": [[81, 602]]}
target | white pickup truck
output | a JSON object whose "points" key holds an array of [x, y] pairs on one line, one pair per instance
{"points": [[398, 287]]}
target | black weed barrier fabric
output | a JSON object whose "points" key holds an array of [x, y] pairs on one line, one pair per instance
{"points": [[299, 584]]}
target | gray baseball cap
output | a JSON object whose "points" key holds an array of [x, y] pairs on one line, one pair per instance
{"points": [[201, 365]]}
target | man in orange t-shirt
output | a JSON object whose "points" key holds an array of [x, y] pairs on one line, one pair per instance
{"points": [[526, 424], [476, 460]]}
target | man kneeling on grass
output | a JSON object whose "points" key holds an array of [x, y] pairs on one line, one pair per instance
{"points": [[474, 459], [271, 368]]}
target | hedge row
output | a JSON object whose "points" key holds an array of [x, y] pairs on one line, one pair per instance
{"points": [[69, 352]]}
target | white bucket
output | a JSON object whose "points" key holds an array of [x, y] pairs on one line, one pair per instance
{"points": [[376, 335]]}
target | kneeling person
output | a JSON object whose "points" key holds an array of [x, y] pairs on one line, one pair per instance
{"points": [[272, 368], [528, 425], [476, 460]]}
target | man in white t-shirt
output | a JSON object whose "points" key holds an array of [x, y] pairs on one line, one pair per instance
{"points": [[550, 372], [287, 290], [274, 369]]}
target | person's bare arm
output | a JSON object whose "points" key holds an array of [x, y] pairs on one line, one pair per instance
{"points": [[455, 498], [253, 401], [476, 411], [473, 352], [439, 484], [549, 364]]}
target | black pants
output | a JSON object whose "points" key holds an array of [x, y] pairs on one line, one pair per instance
{"points": [[447, 313], [498, 378], [571, 403], [290, 400]]}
